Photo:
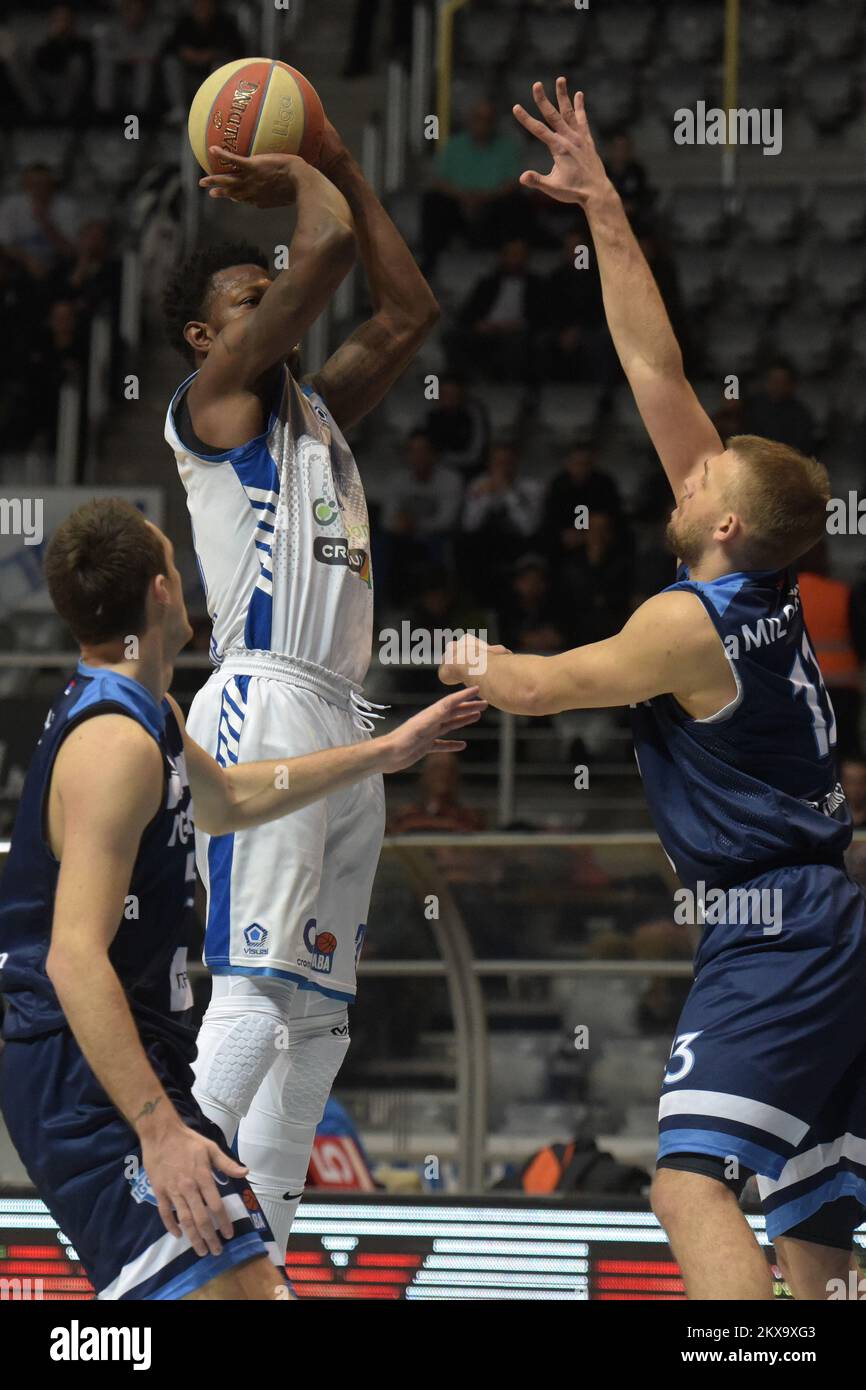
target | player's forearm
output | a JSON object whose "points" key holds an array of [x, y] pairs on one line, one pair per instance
{"points": [[264, 791], [323, 229], [96, 1010], [510, 682], [635, 312], [397, 287]]}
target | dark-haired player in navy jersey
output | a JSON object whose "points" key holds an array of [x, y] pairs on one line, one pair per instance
{"points": [[95, 1077], [735, 735]]}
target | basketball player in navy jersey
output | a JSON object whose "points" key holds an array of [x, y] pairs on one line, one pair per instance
{"points": [[95, 1077], [734, 734]]}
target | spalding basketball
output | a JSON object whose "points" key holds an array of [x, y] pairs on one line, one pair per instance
{"points": [[255, 106]]}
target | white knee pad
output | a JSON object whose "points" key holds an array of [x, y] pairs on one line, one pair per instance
{"points": [[238, 1043], [276, 1135]]}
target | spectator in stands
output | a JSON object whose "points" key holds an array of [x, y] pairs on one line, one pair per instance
{"points": [[577, 344], [778, 413], [531, 618], [428, 604], [438, 806], [202, 40], [420, 513], [475, 191], [458, 425], [500, 319], [578, 484], [38, 226], [61, 70], [127, 57], [92, 277], [500, 521], [56, 355], [628, 175], [827, 611], [596, 580]]}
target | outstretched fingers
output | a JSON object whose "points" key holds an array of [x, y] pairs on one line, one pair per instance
{"points": [[555, 119], [566, 110], [582, 123], [534, 126]]}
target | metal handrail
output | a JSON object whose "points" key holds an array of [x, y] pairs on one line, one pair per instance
{"points": [[445, 63]]}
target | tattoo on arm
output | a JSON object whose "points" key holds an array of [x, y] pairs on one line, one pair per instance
{"points": [[147, 1109]]}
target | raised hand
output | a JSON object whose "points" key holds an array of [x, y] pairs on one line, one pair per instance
{"points": [[577, 171], [265, 180]]}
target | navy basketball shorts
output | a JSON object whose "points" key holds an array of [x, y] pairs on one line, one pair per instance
{"points": [[85, 1163], [767, 1071]]}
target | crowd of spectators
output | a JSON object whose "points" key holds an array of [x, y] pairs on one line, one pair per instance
{"points": [[126, 56], [59, 259], [58, 268], [555, 563]]}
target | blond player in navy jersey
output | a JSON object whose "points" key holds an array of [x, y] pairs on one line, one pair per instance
{"points": [[281, 534]]}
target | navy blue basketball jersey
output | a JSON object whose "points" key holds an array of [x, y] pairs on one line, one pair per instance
{"points": [[149, 949], [753, 786]]}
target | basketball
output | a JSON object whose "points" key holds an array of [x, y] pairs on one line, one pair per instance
{"points": [[326, 942], [255, 106]]}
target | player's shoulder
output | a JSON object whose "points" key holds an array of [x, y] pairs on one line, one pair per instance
{"points": [[109, 752], [677, 617], [676, 605]]}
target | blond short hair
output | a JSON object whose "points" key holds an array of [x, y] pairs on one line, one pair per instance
{"points": [[782, 496]]}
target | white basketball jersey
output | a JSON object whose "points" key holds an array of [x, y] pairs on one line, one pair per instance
{"points": [[282, 537]]}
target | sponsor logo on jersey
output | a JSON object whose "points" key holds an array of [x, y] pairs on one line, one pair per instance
{"points": [[141, 1189], [248, 1198], [321, 946], [337, 551], [325, 511], [255, 936]]}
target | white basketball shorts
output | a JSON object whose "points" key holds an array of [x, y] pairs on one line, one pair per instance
{"points": [[288, 899]]}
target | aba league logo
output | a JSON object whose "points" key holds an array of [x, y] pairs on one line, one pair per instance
{"points": [[321, 946]]}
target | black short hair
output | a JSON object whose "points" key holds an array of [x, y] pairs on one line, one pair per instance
{"points": [[185, 296]]}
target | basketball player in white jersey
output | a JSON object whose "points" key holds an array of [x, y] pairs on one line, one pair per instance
{"points": [[281, 534]]}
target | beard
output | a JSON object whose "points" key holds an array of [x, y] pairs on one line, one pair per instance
{"points": [[686, 540]]}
